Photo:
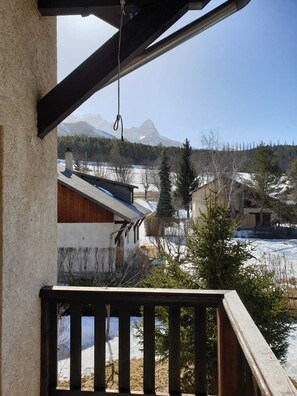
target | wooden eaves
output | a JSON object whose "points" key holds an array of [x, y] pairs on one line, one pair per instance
{"points": [[144, 22]]}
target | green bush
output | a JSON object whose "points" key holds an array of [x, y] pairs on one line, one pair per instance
{"points": [[218, 262]]}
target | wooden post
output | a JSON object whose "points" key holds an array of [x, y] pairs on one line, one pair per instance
{"points": [[48, 375], [228, 356]]}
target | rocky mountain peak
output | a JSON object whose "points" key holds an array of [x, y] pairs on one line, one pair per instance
{"points": [[148, 128], [147, 133]]}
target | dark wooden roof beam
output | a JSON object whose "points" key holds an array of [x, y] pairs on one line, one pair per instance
{"points": [[80, 7], [198, 5], [94, 73], [180, 36]]}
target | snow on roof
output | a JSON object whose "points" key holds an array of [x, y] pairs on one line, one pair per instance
{"points": [[245, 179], [128, 212]]}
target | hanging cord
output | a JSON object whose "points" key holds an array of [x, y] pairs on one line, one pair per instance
{"points": [[119, 120]]}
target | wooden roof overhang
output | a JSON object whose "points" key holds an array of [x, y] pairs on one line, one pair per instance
{"points": [[144, 22]]}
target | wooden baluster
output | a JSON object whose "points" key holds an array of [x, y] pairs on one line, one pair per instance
{"points": [[149, 350], [174, 351], [75, 346], [200, 352], [99, 346], [124, 350]]}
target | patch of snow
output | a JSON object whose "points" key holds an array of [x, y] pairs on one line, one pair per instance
{"points": [[290, 366], [111, 346], [276, 251], [105, 191]]}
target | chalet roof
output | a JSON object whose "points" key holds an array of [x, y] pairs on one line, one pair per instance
{"points": [[86, 176], [122, 191], [239, 177], [126, 211], [243, 182]]}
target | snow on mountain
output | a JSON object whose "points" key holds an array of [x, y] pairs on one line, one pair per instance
{"points": [[147, 133], [81, 128]]}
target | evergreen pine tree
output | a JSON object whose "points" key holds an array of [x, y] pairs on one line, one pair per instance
{"points": [[186, 177], [165, 207], [216, 257], [219, 262]]}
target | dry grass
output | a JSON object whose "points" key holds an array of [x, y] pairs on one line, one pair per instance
{"points": [[136, 377]]}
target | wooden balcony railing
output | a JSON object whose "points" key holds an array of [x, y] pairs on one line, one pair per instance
{"points": [[246, 364]]}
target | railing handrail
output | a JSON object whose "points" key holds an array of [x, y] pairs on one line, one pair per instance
{"points": [[238, 335], [267, 370], [138, 296]]}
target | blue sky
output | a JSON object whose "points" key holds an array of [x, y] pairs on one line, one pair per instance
{"points": [[237, 79]]}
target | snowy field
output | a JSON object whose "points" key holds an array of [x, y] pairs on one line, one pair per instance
{"points": [[112, 347], [279, 255]]}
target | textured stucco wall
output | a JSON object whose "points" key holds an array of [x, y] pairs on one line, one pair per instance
{"points": [[93, 236], [28, 174]]}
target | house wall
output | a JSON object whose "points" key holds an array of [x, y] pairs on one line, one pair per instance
{"points": [[198, 203], [28, 191], [246, 215], [248, 221], [128, 237], [249, 218], [87, 239], [82, 235], [90, 245]]}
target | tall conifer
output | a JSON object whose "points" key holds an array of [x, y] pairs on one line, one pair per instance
{"points": [[165, 207], [186, 177]]}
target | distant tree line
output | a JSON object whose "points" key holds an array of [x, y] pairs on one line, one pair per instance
{"points": [[100, 150]]}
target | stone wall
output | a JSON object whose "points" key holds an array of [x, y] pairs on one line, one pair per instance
{"points": [[28, 193]]}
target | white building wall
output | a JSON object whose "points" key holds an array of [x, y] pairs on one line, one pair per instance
{"points": [[94, 245], [82, 235], [129, 240]]}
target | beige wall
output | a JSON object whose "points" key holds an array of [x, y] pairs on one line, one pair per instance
{"points": [[84, 235], [247, 215], [198, 202], [28, 194], [94, 236]]}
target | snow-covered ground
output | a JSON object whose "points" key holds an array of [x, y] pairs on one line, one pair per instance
{"points": [[112, 347], [290, 365], [279, 255]]}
